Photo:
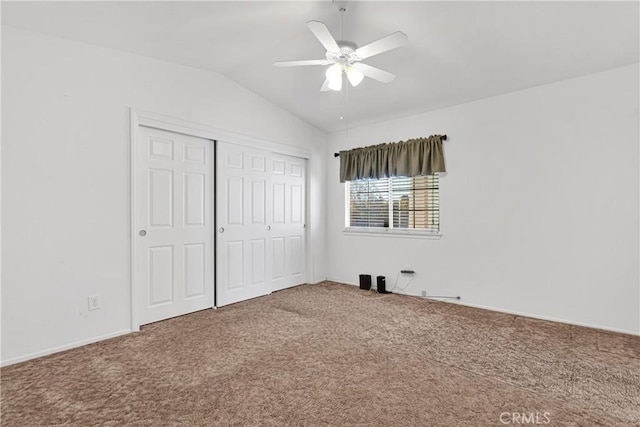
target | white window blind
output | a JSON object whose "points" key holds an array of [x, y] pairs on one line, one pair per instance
{"points": [[411, 203], [369, 203]]}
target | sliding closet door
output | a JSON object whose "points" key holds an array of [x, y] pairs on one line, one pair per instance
{"points": [[261, 231], [243, 211], [288, 237], [173, 224]]}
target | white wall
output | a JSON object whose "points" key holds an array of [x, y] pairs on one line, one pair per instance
{"points": [[539, 208], [65, 182]]}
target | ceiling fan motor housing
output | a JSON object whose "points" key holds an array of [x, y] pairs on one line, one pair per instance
{"points": [[347, 54]]}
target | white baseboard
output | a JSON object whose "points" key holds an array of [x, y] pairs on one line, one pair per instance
{"points": [[539, 317], [517, 313], [49, 351]]}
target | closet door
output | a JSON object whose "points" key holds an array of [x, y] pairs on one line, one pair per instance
{"points": [[243, 212], [173, 224], [288, 233]]}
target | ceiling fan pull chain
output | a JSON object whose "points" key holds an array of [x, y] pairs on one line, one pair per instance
{"points": [[346, 113]]}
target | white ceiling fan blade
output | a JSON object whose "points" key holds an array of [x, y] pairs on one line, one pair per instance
{"points": [[301, 63], [323, 35], [374, 73], [384, 44], [325, 86]]}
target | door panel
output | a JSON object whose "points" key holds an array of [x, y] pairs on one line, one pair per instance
{"points": [[195, 154], [278, 257], [160, 275], [258, 202], [234, 201], [234, 159], [288, 231], [173, 224], [295, 266], [258, 162], [278, 167], [161, 195], [161, 148], [194, 271], [296, 204], [234, 266], [244, 214], [258, 258], [278, 203], [261, 230], [194, 199]]}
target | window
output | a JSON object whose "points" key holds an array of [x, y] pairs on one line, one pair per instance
{"points": [[395, 203]]}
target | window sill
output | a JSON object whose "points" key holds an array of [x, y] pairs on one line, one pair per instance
{"points": [[392, 232]]}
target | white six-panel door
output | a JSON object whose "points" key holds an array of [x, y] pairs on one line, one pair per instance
{"points": [[243, 217], [288, 240], [260, 236], [173, 224]]}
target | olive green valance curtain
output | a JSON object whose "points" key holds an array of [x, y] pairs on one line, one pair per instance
{"points": [[414, 157]]}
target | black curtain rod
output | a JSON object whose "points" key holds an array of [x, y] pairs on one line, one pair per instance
{"points": [[442, 137]]}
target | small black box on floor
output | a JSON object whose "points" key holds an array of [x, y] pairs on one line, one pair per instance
{"points": [[365, 281], [381, 282]]}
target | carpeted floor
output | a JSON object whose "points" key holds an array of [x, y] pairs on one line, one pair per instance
{"points": [[334, 355]]}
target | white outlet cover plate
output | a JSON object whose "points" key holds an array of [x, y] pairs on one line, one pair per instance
{"points": [[94, 302]]}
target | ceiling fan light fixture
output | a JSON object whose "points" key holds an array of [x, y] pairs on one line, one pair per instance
{"points": [[334, 76], [354, 75], [336, 84]]}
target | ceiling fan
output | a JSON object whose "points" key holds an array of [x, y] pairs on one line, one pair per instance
{"points": [[344, 57]]}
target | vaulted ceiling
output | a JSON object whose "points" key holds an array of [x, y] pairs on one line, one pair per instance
{"points": [[457, 51]]}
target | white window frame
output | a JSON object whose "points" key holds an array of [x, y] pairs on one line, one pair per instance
{"points": [[380, 231]]}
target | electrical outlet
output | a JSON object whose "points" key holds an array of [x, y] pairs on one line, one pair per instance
{"points": [[94, 302], [424, 293]]}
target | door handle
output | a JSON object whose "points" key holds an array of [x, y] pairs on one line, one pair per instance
{"points": [[142, 233], [268, 228], [221, 230]]}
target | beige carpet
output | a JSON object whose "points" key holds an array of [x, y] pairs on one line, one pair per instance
{"points": [[334, 355]]}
